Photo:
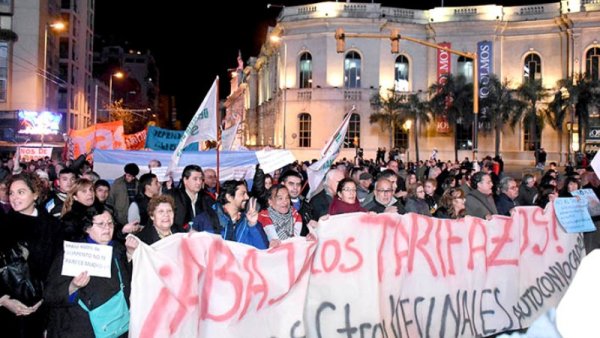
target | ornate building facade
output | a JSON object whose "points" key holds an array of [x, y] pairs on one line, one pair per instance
{"points": [[299, 88]]}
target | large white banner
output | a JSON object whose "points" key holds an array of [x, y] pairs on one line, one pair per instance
{"points": [[367, 276]]}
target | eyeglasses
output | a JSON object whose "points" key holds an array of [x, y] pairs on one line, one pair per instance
{"points": [[104, 225], [385, 191], [348, 190]]}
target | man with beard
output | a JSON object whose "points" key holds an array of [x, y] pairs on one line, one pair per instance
{"points": [[233, 216]]}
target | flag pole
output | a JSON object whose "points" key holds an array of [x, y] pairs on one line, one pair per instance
{"points": [[218, 138]]}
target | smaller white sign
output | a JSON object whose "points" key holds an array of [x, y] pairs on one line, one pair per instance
{"points": [[271, 160], [93, 258], [161, 173]]}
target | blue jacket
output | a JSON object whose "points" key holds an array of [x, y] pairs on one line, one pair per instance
{"points": [[215, 220]]}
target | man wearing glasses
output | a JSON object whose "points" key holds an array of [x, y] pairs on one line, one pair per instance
{"points": [[509, 191], [384, 200]]}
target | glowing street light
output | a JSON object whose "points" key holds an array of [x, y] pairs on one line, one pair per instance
{"points": [[118, 75], [57, 26]]}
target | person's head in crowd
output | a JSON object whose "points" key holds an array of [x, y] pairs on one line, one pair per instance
{"points": [[235, 194], [528, 180], [392, 165], [81, 192], [365, 180], [32, 167], [279, 199], [23, 192], [98, 224], [161, 210], [346, 191], [293, 182], [384, 192], [482, 182], [434, 171], [102, 190], [131, 172], [546, 194], [268, 181], [355, 173], [66, 179], [571, 184], [552, 173], [509, 187], [449, 182], [92, 176], [86, 167], [453, 200], [411, 178], [430, 186], [154, 164], [44, 178], [552, 166], [148, 185], [416, 191], [332, 178], [548, 179], [4, 191], [210, 178], [391, 176], [192, 178]]}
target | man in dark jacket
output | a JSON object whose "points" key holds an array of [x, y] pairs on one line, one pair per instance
{"points": [[527, 190], [383, 198], [292, 180], [190, 199], [320, 202], [54, 204], [509, 191], [480, 201]]}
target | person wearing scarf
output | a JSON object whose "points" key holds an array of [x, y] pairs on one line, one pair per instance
{"points": [[345, 201], [280, 221]]}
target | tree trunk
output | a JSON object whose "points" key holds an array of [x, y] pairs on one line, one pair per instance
{"points": [[560, 142], [392, 137], [497, 141], [455, 140], [532, 131], [416, 135]]}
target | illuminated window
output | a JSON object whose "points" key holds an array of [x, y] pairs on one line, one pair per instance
{"points": [[465, 68], [532, 68], [353, 134], [305, 70], [592, 63], [352, 64], [401, 74], [304, 123]]}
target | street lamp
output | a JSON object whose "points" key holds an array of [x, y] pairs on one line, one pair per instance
{"points": [[277, 40], [57, 26], [118, 75]]}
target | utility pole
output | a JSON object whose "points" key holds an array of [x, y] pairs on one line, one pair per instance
{"points": [[340, 37]]}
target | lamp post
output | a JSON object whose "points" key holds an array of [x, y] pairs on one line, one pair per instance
{"points": [[118, 75], [56, 26], [95, 103], [279, 39]]}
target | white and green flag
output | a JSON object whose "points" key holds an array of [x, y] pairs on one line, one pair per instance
{"points": [[202, 127], [316, 172]]}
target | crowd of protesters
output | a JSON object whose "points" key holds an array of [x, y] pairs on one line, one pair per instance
{"points": [[46, 202]]}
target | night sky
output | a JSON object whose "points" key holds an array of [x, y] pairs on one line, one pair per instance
{"points": [[197, 51]]}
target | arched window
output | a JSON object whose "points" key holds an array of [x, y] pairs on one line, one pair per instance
{"points": [[304, 133], [352, 70], [592, 63], [532, 68], [353, 134], [305, 75], [401, 74], [465, 68]]}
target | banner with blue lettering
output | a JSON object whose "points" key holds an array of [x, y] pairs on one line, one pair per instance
{"points": [[486, 68], [165, 139]]}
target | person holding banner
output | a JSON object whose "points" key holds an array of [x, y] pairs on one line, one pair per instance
{"points": [[65, 294], [234, 216], [280, 221]]}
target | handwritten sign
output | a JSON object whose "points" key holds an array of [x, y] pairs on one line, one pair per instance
{"points": [[593, 202], [27, 154], [161, 173], [573, 215], [383, 275], [93, 258]]}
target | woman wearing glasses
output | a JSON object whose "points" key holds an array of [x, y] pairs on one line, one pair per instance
{"points": [[71, 298], [345, 201]]}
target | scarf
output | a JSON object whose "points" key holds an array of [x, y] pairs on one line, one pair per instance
{"points": [[283, 223], [340, 207]]}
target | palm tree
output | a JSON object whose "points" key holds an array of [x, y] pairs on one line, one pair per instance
{"points": [[387, 112], [532, 92], [561, 105], [414, 109], [453, 100], [501, 103]]}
